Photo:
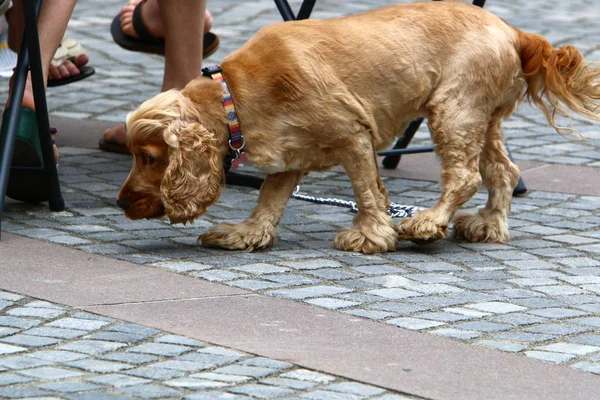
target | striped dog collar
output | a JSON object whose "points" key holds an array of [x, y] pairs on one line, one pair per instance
{"points": [[236, 140]]}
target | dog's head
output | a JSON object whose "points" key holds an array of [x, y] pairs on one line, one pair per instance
{"points": [[177, 166]]}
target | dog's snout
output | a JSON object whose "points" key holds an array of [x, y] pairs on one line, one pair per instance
{"points": [[124, 204]]}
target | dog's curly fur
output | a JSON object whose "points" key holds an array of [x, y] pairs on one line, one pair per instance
{"points": [[314, 94]]}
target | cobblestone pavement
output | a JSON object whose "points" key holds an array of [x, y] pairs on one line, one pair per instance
{"points": [[537, 295], [53, 352]]}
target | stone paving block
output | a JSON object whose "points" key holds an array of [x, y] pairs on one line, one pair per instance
{"points": [[77, 323], [355, 388], [308, 292], [90, 346], [91, 365], [523, 337], [180, 340], [17, 392], [311, 264], [260, 269], [414, 323], [154, 373], [50, 373], [261, 391], [569, 348], [376, 315], [29, 341], [254, 284], [55, 332], [327, 395], [496, 307], [69, 387], [56, 355], [10, 349], [434, 266], [456, 333], [160, 349], [332, 304], [504, 346], [194, 384], [22, 362], [593, 368], [35, 312], [483, 326], [149, 391], [7, 379], [289, 383], [548, 356], [246, 370], [221, 377], [558, 313], [17, 322], [129, 358], [117, 380]]}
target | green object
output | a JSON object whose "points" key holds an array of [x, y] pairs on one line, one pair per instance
{"points": [[27, 180], [28, 149]]}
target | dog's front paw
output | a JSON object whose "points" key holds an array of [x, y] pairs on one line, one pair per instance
{"points": [[421, 229], [242, 236], [481, 227], [379, 240]]}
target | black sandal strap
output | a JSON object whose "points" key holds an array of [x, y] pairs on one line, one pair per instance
{"points": [[138, 24]]}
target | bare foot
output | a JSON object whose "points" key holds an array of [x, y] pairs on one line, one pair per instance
{"points": [[67, 68], [151, 18], [116, 134]]}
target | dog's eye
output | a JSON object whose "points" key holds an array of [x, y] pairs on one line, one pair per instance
{"points": [[147, 159]]}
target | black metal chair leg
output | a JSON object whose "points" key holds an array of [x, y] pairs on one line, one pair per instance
{"points": [[391, 162], [56, 201]]}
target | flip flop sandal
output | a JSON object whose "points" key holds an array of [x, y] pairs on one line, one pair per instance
{"points": [[113, 147], [147, 43], [27, 179], [69, 49]]}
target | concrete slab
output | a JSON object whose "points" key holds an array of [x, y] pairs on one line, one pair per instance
{"points": [[411, 362], [59, 274]]}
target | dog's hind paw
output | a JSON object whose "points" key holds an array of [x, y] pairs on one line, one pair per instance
{"points": [[368, 242], [242, 236], [481, 228], [421, 229]]}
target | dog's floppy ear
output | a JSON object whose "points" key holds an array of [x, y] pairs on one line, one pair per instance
{"points": [[192, 180]]}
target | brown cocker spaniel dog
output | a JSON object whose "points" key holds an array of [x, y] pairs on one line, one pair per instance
{"points": [[313, 94]]}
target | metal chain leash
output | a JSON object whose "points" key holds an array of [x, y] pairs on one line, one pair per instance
{"points": [[395, 210]]}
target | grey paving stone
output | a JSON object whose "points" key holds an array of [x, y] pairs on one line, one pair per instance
{"points": [[504, 346], [549, 356], [354, 388], [29, 341], [129, 358], [77, 323], [7, 379], [246, 370], [261, 391], [55, 332], [194, 384], [523, 337], [160, 349], [308, 292], [17, 322], [7, 331], [434, 266], [117, 380], [376, 315], [289, 383], [91, 365], [414, 323], [149, 391], [558, 313], [56, 355], [154, 373], [17, 392], [327, 395], [90, 346], [311, 264], [456, 333], [592, 340], [50, 373], [22, 361], [180, 340], [10, 349], [69, 387], [35, 312], [517, 319], [483, 326]]}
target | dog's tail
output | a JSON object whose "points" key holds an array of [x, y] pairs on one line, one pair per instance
{"points": [[561, 76]]}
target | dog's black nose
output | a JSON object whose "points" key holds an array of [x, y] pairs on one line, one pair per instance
{"points": [[124, 204]]}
